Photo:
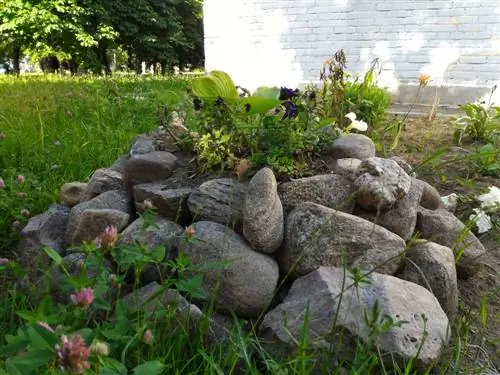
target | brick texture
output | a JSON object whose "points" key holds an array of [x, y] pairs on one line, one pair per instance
{"points": [[285, 42]]}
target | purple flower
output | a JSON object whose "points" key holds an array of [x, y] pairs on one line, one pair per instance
{"points": [[21, 179], [291, 110], [287, 94], [2, 183], [3, 261]]}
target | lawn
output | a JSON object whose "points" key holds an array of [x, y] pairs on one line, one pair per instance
{"points": [[58, 129]]}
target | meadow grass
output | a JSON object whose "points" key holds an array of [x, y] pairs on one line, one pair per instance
{"points": [[60, 129]]}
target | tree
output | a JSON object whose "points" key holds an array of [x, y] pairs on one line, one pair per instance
{"points": [[42, 26]]}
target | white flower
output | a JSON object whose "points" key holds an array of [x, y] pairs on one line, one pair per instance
{"points": [[356, 124], [450, 201], [482, 220], [490, 199]]}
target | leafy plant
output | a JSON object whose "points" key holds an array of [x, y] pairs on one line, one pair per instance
{"points": [[480, 122]]}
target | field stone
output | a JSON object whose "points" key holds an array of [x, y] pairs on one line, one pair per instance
{"points": [[433, 267], [329, 190], [142, 144], [45, 230], [155, 300], [93, 222], [109, 200], [356, 146], [119, 164], [321, 293], [380, 184], [430, 197], [163, 233], [401, 219], [444, 228], [220, 200], [405, 165], [318, 236], [103, 180], [346, 167], [150, 167], [263, 222], [72, 193], [169, 203], [247, 282]]}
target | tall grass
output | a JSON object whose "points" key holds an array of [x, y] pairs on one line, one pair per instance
{"points": [[61, 129]]}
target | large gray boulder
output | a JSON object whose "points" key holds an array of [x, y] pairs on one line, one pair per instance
{"points": [[380, 184], [433, 267], [110, 200], [263, 222], [169, 203], [401, 219], [93, 222], [246, 283], [162, 233], [103, 180], [444, 228], [337, 312], [357, 146], [220, 200], [149, 167], [45, 230], [320, 236], [329, 190]]}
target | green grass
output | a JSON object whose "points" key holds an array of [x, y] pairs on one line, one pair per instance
{"points": [[59, 130]]}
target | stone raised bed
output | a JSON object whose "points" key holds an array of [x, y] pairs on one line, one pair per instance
{"points": [[311, 231]]}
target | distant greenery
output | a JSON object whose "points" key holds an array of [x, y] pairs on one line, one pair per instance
{"points": [[90, 34]]}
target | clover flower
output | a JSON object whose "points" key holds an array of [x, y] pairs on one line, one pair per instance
{"points": [[108, 238], [73, 354], [100, 348], [3, 261], [2, 183], [189, 232], [148, 337], [83, 298], [21, 179], [356, 124]]}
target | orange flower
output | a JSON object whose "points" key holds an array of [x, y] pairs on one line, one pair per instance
{"points": [[424, 79]]}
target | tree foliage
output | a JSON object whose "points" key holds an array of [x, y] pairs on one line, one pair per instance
{"points": [[83, 32]]}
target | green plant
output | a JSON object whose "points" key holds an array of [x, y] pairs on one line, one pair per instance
{"points": [[272, 126], [339, 94], [480, 122]]}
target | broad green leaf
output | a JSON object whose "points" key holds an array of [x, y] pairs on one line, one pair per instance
{"points": [[42, 338], [216, 84], [260, 105], [30, 361], [149, 368], [53, 255], [267, 92], [113, 367]]}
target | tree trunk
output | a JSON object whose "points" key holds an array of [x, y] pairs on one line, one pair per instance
{"points": [[163, 65], [16, 57]]}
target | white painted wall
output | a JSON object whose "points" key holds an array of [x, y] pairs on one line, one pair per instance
{"points": [[285, 42]]}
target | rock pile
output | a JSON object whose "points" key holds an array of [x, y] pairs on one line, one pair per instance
{"points": [[312, 231]]}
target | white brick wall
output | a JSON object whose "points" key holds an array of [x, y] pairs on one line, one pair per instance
{"points": [[285, 42]]}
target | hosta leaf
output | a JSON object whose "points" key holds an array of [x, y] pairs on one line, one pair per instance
{"points": [[216, 84], [260, 105], [267, 92]]}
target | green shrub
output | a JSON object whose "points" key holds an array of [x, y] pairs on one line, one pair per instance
{"points": [[480, 122]]}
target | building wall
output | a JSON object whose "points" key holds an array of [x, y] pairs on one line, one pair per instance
{"points": [[285, 42]]}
